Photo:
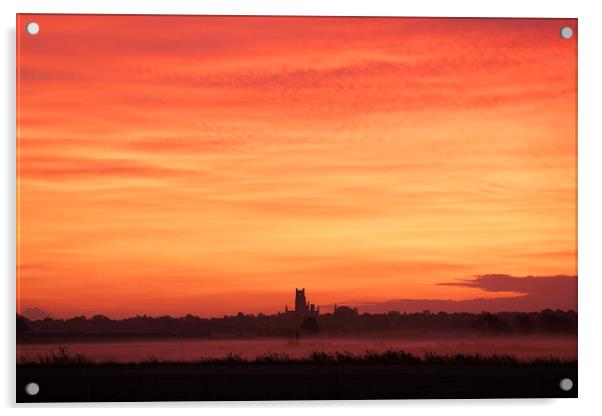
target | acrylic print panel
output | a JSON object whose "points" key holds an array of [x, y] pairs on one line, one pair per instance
{"points": [[270, 208]]}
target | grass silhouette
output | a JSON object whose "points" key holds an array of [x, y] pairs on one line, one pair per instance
{"points": [[62, 357]]}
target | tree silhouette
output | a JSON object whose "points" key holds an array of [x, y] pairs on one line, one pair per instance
{"points": [[22, 326], [524, 323], [490, 323], [310, 325]]}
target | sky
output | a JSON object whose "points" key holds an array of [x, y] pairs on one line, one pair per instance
{"points": [[211, 165]]}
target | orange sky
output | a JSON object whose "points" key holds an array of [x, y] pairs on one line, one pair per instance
{"points": [[210, 165]]}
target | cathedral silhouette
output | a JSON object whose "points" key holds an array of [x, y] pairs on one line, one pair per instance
{"points": [[302, 305]]}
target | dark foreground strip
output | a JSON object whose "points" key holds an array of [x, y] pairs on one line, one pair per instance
{"points": [[206, 382]]}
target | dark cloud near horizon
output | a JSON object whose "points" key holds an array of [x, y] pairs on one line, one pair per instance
{"points": [[534, 293], [507, 283]]}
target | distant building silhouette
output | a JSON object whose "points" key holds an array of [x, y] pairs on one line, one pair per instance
{"points": [[302, 305], [345, 311]]}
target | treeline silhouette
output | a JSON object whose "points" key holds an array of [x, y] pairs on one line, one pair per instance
{"points": [[346, 321]]}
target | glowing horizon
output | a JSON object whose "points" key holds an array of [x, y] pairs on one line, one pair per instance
{"points": [[210, 165]]}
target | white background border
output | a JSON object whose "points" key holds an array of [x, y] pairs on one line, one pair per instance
{"points": [[590, 190]]}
